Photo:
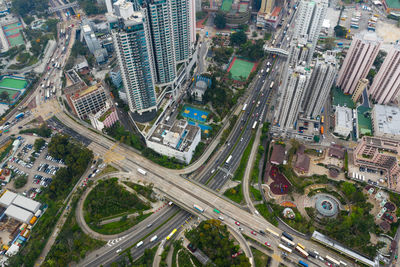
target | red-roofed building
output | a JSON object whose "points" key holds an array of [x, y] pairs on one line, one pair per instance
{"points": [[265, 20]]}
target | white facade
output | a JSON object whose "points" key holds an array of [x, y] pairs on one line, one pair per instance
{"points": [[386, 121], [294, 88], [177, 141], [18, 214], [343, 121], [322, 78], [7, 198], [310, 16]]}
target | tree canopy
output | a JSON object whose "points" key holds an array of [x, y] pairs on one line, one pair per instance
{"points": [[238, 38], [340, 31], [220, 21]]}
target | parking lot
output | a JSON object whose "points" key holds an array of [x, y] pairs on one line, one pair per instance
{"points": [[368, 175], [38, 167]]}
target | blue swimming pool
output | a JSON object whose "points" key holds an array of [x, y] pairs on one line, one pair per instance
{"points": [[195, 114]]}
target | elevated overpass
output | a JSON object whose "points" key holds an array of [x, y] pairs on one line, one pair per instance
{"points": [[59, 8], [276, 51]]}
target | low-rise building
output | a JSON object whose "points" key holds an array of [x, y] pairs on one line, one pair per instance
{"points": [[85, 100], [265, 20], [178, 140], [343, 121], [200, 87], [386, 121], [278, 154], [380, 154], [104, 118]]}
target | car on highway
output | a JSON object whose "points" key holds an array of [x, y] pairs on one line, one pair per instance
{"points": [[267, 244], [118, 250], [253, 233], [237, 223], [212, 171]]}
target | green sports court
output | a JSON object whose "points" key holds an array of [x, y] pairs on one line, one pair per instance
{"points": [[226, 5], [13, 33], [241, 69], [14, 86]]}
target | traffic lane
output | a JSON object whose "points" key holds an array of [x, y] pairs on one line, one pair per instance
{"points": [[239, 149], [249, 114], [162, 233]]}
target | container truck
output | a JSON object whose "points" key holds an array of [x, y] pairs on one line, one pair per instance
{"points": [[141, 171]]}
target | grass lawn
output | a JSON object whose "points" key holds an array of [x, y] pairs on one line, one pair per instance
{"points": [[255, 193], [119, 226], [108, 169], [260, 259], [226, 5], [235, 194]]}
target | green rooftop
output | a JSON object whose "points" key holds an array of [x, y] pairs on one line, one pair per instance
{"points": [[395, 4], [364, 120], [340, 99]]}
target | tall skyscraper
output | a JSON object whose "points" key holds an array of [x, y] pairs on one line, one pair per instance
{"points": [[309, 18], [386, 85], [162, 35], [266, 6], [361, 55], [295, 85], [322, 78], [133, 49], [180, 14]]}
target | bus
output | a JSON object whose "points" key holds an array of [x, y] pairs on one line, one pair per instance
{"points": [[287, 241], [228, 160], [272, 232], [300, 245], [244, 107], [332, 260], [171, 234], [198, 208], [302, 263], [343, 263], [302, 251], [272, 85], [287, 236], [322, 119], [254, 125], [286, 249], [217, 211]]}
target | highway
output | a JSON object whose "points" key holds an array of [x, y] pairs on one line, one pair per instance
{"points": [[185, 192], [108, 254]]}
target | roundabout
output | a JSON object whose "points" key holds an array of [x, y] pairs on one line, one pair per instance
{"points": [[326, 205]]}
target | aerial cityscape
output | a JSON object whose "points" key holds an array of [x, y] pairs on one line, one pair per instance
{"points": [[199, 133]]}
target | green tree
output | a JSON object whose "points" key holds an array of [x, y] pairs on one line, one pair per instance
{"points": [[340, 31], [238, 38], [348, 189], [4, 96], [39, 143], [20, 181], [330, 43], [220, 21], [254, 34]]}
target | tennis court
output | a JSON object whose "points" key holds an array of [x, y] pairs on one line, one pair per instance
{"points": [[195, 114], [241, 69], [226, 5], [204, 128], [340, 99], [13, 34]]}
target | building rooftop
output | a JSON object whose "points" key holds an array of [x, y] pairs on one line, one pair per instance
{"points": [[344, 117], [7, 198], [387, 119], [179, 136], [26, 203], [86, 28], [336, 151], [278, 154], [86, 90], [18, 213], [302, 162]]}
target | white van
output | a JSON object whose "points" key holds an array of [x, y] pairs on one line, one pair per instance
{"points": [[139, 244]]}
